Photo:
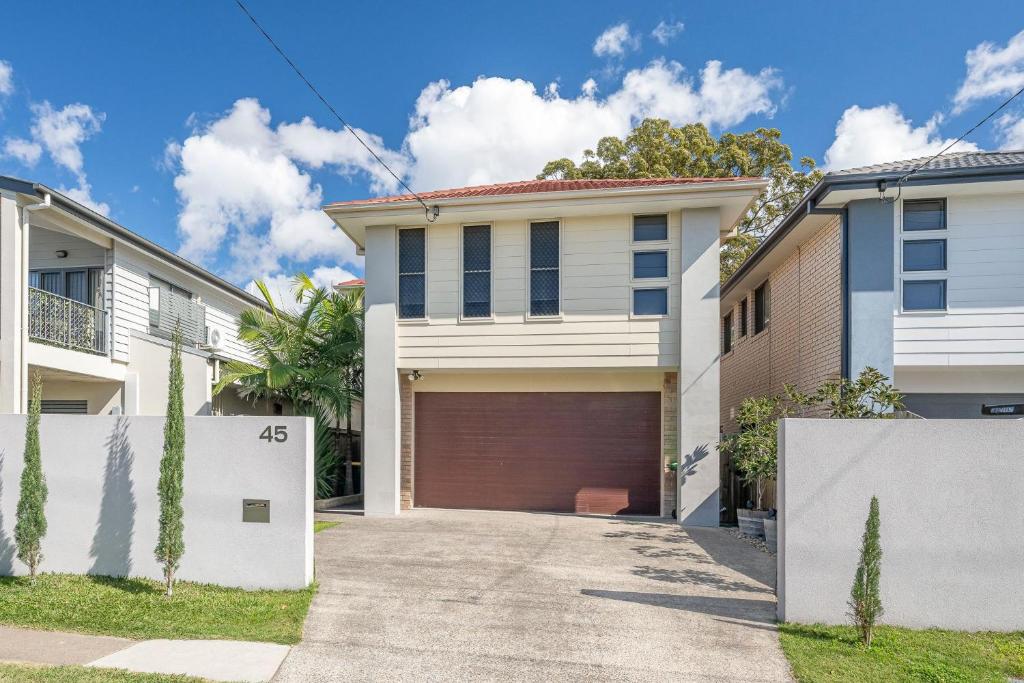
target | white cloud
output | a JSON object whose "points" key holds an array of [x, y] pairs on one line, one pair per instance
{"points": [[1011, 131], [282, 290], [616, 41], [991, 70], [6, 78], [500, 129], [239, 182], [665, 31], [83, 195], [25, 151], [589, 87], [874, 135]]}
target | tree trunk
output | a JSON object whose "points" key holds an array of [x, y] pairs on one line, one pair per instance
{"points": [[349, 483], [169, 575]]}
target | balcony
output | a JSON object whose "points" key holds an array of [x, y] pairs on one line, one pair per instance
{"points": [[64, 322]]}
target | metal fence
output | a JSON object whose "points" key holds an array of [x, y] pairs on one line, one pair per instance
{"points": [[65, 322]]}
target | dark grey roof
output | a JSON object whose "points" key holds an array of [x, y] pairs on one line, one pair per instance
{"points": [[952, 161]]}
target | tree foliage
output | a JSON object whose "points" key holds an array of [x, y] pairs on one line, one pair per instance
{"points": [[30, 519], [170, 545], [869, 396], [312, 359], [865, 596], [754, 449], [656, 149]]}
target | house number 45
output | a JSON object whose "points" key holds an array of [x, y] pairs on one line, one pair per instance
{"points": [[279, 434]]}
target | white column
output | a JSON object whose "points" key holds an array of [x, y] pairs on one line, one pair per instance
{"points": [[698, 475], [13, 288], [381, 410], [131, 393]]}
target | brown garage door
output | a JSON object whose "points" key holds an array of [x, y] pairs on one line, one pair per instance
{"points": [[559, 452]]}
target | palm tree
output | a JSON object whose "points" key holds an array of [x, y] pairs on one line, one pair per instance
{"points": [[311, 358]]}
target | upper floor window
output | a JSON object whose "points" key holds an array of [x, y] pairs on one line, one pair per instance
{"points": [[924, 255], [924, 295], [652, 301], [727, 333], [544, 268], [924, 214], [743, 317], [761, 308], [84, 285], [476, 271], [412, 273], [652, 228], [650, 264]]}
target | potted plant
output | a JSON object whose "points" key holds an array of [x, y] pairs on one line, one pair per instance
{"points": [[754, 451]]}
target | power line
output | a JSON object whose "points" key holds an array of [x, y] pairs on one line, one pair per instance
{"points": [[431, 212]]}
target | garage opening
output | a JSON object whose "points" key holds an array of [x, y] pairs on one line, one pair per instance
{"points": [[538, 451]]}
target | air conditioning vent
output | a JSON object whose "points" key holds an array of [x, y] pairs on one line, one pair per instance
{"points": [[215, 338]]}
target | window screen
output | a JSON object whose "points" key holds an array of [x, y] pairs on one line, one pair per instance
{"points": [[544, 264], [761, 311], [648, 264], [924, 214], [650, 301], [412, 269], [924, 295], [924, 255], [476, 271], [727, 333], [650, 228]]}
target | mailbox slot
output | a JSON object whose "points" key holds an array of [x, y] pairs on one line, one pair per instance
{"points": [[255, 510]]}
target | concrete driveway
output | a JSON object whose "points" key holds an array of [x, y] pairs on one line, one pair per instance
{"points": [[441, 595]]}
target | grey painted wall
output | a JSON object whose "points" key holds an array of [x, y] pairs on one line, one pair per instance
{"points": [[872, 285], [958, 406], [952, 519], [102, 510]]}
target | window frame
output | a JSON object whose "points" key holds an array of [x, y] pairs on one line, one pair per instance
{"points": [[925, 311], [399, 273], [727, 328], [99, 301], [744, 314], [760, 326], [651, 278], [903, 214], [646, 243], [530, 316], [649, 287], [462, 274], [945, 255]]}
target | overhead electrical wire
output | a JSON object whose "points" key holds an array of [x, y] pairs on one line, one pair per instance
{"points": [[431, 211]]}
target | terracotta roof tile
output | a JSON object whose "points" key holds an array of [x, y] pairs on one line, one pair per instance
{"points": [[358, 282]]}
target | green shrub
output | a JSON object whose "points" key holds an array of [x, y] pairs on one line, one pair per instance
{"points": [[30, 524], [170, 544], [865, 597]]}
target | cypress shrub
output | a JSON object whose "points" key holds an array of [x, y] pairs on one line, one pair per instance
{"points": [[170, 545], [30, 524], [865, 598]]}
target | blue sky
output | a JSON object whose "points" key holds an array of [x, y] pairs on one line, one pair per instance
{"points": [[181, 123]]}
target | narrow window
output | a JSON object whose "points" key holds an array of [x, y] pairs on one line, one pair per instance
{"points": [[412, 273], [924, 255], [761, 312], [476, 271], [727, 333], [544, 264], [650, 228], [924, 214], [743, 317], [650, 264], [924, 295], [652, 301]]}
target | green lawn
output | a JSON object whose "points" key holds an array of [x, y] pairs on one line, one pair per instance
{"points": [[320, 526], [15, 673], [833, 654], [137, 608]]}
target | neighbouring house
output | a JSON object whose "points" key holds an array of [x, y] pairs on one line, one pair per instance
{"points": [[90, 307], [921, 279], [547, 345]]}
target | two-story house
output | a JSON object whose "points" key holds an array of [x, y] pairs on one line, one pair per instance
{"points": [[90, 306], [545, 345], [920, 276]]}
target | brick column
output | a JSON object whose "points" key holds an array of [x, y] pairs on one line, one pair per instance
{"points": [[405, 396], [669, 439]]}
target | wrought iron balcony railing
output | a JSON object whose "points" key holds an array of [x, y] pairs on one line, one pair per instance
{"points": [[61, 321]]}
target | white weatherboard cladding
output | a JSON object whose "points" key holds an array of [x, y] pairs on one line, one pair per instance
{"points": [[103, 511], [595, 329], [984, 320]]}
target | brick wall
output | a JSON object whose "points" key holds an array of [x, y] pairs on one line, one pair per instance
{"points": [[405, 396], [669, 438], [802, 343]]}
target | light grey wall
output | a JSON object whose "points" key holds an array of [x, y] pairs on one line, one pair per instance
{"points": [[871, 283], [952, 519], [382, 413], [698, 474], [102, 509], [959, 406]]}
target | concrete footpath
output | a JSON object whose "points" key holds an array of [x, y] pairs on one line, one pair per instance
{"points": [[215, 660]]}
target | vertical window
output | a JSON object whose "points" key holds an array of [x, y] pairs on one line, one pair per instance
{"points": [[650, 264], [412, 273], [743, 317], [476, 271], [650, 228], [544, 267], [652, 301], [924, 295], [761, 310], [924, 255], [727, 333], [924, 214]]}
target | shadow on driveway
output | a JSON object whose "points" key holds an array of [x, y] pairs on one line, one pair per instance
{"points": [[761, 611]]}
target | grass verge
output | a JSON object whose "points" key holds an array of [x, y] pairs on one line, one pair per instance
{"points": [[320, 526], [137, 608], [833, 654], [17, 673]]}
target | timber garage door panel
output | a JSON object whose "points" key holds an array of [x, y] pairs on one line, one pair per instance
{"points": [[556, 452]]}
